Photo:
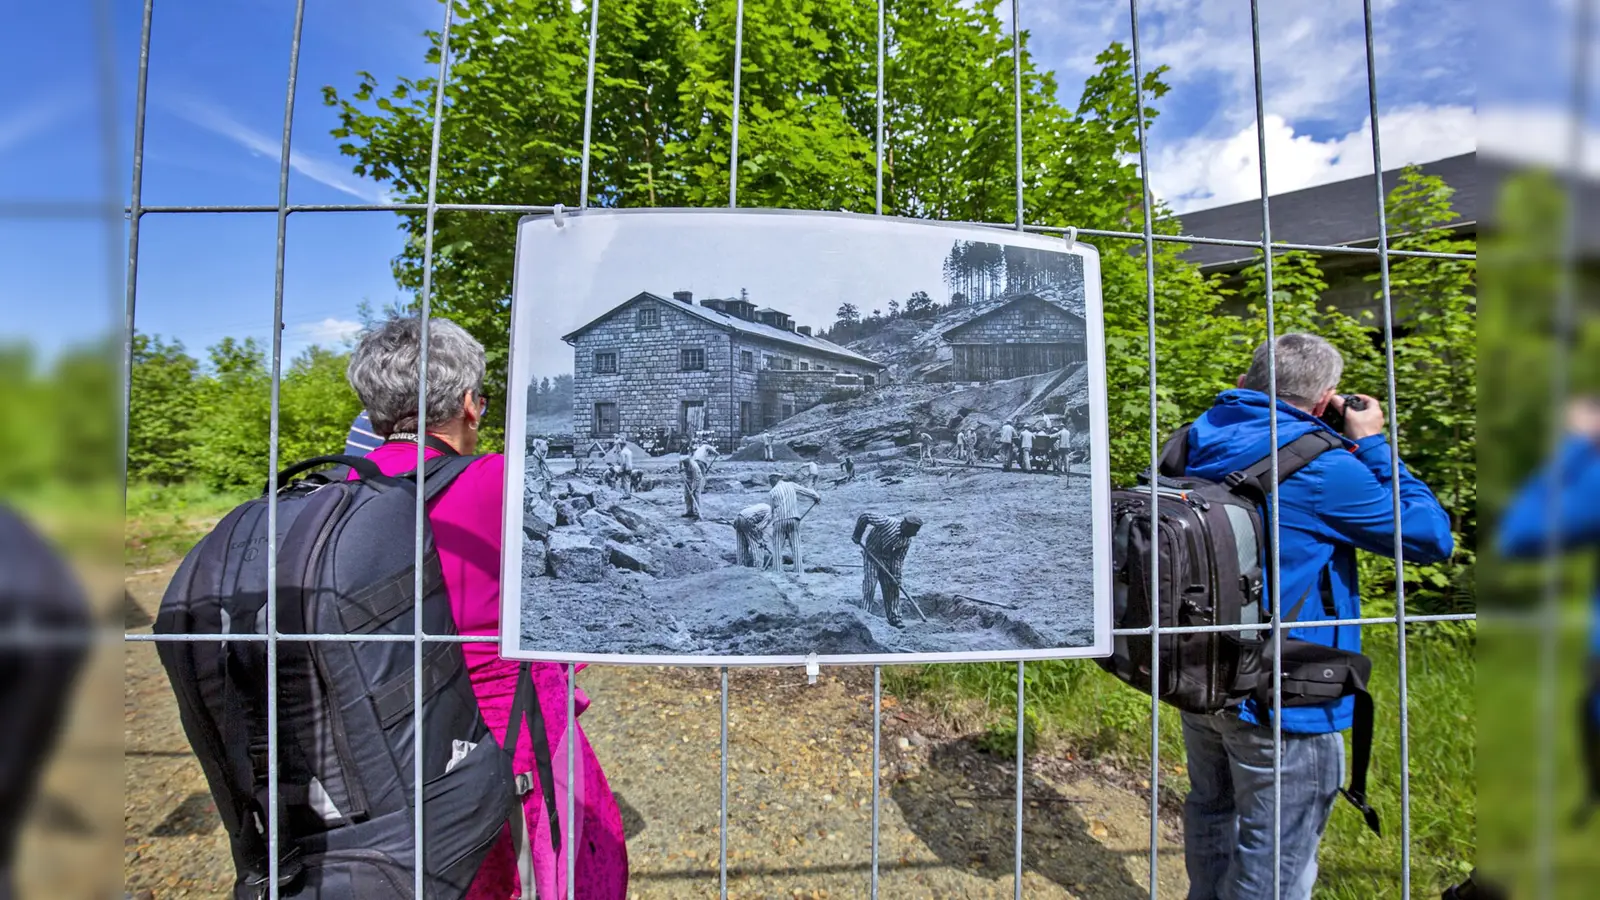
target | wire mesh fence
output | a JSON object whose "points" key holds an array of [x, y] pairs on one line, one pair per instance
{"points": [[1147, 237]]}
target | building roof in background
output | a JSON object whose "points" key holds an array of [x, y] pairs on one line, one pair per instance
{"points": [[1495, 171], [737, 325], [1338, 213], [1005, 304]]}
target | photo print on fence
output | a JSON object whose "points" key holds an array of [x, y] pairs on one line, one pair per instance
{"points": [[755, 437]]}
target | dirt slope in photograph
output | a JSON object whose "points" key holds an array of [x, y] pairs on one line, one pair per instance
{"points": [[993, 568]]}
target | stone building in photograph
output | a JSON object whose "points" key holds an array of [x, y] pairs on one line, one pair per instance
{"points": [[1027, 335], [721, 366]]}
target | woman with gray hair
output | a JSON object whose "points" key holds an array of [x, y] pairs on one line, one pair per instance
{"points": [[466, 520]]}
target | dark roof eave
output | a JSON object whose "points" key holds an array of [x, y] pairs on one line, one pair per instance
{"points": [[1232, 265]]}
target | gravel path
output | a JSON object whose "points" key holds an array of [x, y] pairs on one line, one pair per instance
{"points": [[799, 804]]}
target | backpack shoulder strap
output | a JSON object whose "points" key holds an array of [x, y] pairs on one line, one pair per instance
{"points": [[439, 473], [1254, 481], [1360, 749], [1175, 454]]}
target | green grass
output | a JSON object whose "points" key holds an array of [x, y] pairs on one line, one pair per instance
{"points": [[1511, 735], [1085, 712], [164, 521]]}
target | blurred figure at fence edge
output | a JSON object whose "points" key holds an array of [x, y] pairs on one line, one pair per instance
{"points": [[1566, 495], [362, 439], [1338, 503], [466, 523], [38, 593]]}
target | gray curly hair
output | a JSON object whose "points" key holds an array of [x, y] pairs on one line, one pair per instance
{"points": [[383, 372], [1308, 366]]}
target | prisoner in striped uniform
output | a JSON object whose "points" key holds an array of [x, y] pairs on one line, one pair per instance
{"points": [[694, 481], [785, 499], [807, 474], [750, 533], [882, 555]]}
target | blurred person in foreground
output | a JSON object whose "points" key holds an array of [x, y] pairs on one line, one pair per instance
{"points": [[1338, 503], [1556, 511], [466, 523], [38, 593]]}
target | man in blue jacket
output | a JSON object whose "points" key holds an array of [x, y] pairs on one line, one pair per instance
{"points": [[1338, 503], [1564, 495]]}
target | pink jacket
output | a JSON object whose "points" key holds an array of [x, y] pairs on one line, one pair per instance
{"points": [[466, 524]]}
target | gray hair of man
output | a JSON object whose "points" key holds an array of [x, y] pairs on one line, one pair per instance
{"points": [[383, 372], [1308, 368]]}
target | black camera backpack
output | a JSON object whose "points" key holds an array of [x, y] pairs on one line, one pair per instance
{"points": [[1208, 546], [346, 717]]}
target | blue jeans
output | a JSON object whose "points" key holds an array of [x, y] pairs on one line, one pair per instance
{"points": [[1227, 819]]}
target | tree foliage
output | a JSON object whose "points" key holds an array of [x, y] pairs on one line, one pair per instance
{"points": [[211, 422], [513, 125]]}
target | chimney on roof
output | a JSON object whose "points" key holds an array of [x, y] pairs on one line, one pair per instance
{"points": [[805, 330], [683, 296]]}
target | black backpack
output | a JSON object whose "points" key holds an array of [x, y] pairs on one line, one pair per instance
{"points": [[345, 713], [1209, 544], [38, 672]]}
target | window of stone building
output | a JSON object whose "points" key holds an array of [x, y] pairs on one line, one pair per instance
{"points": [[805, 366], [1030, 318], [692, 416], [691, 359], [649, 317], [747, 361], [605, 419], [605, 362], [747, 423]]}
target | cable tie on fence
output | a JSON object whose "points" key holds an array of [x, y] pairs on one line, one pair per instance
{"points": [[812, 668], [560, 215], [1072, 236]]}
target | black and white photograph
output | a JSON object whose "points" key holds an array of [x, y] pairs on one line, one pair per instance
{"points": [[760, 437]]}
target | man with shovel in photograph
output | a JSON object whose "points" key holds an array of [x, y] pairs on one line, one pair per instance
{"points": [[883, 553], [784, 498]]}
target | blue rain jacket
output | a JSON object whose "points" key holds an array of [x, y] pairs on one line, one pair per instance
{"points": [[1337, 503], [1573, 505]]}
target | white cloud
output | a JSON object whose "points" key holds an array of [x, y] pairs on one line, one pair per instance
{"points": [[27, 122], [1203, 172], [329, 332], [200, 113], [1537, 136]]}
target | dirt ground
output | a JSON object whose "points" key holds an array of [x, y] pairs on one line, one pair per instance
{"points": [[799, 803], [1017, 544]]}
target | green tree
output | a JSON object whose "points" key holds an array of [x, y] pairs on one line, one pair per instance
{"points": [[663, 114], [232, 411], [162, 410], [316, 405]]}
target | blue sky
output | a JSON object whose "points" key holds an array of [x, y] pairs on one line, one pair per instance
{"points": [[217, 79]]}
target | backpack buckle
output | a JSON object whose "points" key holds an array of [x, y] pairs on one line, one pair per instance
{"points": [[1234, 479]]}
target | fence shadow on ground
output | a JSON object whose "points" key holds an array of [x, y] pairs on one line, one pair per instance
{"points": [[962, 805]]}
